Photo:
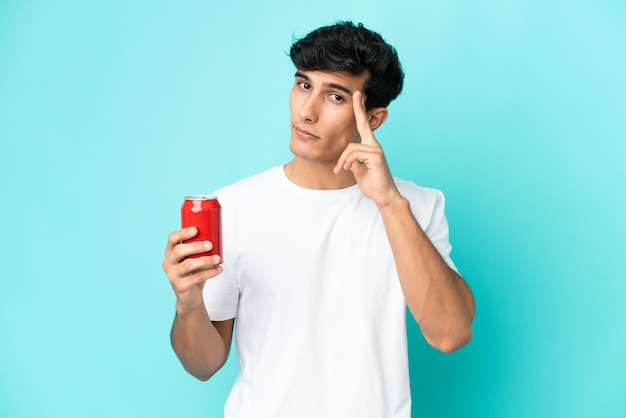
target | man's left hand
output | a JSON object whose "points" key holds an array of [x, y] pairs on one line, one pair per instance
{"points": [[367, 160]]}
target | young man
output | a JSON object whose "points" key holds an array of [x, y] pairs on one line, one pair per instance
{"points": [[318, 275]]}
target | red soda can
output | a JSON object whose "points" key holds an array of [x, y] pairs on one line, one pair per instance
{"points": [[205, 213]]}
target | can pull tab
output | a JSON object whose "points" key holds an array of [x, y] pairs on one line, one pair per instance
{"points": [[197, 206]]}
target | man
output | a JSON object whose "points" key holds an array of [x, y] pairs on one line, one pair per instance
{"points": [[322, 255]]}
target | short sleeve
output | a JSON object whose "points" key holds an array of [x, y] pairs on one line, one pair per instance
{"points": [[221, 296], [428, 208], [221, 293], [438, 232]]}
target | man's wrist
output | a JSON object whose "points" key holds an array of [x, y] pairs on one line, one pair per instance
{"points": [[395, 203], [185, 310]]}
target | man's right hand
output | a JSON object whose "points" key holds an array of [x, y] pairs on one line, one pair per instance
{"points": [[188, 275]]}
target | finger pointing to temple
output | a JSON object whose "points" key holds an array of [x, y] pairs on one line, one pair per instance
{"points": [[362, 123]]}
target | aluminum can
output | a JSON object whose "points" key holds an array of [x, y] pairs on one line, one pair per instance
{"points": [[205, 213]]}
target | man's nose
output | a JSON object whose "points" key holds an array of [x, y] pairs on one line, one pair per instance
{"points": [[308, 111]]}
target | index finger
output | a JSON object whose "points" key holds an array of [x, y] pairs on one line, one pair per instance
{"points": [[177, 237], [362, 124]]}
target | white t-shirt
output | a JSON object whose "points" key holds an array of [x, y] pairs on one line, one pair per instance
{"points": [[320, 316]]}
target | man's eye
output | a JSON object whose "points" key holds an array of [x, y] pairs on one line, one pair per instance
{"points": [[336, 97], [304, 85]]}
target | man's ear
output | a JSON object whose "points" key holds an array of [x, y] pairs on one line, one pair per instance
{"points": [[377, 117]]}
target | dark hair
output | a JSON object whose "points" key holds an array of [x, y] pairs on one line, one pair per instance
{"points": [[353, 49]]}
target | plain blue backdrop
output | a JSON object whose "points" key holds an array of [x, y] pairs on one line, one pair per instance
{"points": [[111, 112]]}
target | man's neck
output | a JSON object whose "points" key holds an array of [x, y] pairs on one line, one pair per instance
{"points": [[317, 176]]}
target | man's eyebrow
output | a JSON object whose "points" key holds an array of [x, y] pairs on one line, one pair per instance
{"points": [[331, 85], [339, 87], [302, 75]]}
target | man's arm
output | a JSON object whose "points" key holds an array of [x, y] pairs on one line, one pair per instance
{"points": [[439, 299], [201, 345]]}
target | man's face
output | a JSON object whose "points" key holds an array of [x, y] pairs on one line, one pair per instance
{"points": [[322, 114]]}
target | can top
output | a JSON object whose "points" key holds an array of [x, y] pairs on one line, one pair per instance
{"points": [[201, 197]]}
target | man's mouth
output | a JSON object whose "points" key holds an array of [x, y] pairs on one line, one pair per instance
{"points": [[304, 134]]}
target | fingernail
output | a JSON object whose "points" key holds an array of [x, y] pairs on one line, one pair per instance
{"points": [[207, 245], [191, 230]]}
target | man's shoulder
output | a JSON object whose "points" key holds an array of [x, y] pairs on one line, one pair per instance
{"points": [[413, 191], [427, 204], [253, 184]]}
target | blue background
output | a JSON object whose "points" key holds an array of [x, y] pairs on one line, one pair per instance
{"points": [[111, 112]]}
